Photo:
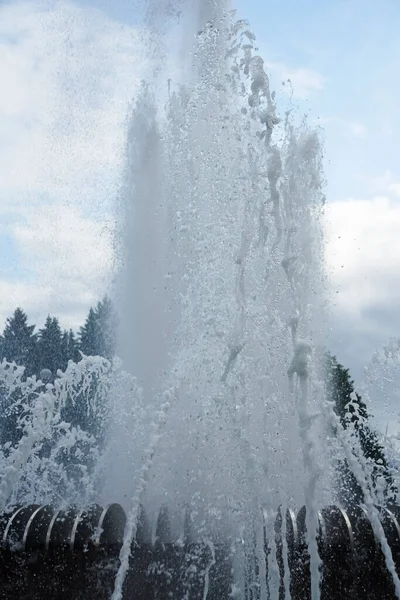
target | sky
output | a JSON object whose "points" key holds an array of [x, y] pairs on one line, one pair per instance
{"points": [[68, 73]]}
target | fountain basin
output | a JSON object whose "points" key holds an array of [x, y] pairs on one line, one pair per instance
{"points": [[51, 553]]}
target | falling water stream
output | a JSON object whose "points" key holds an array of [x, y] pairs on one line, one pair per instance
{"points": [[223, 286], [222, 293]]}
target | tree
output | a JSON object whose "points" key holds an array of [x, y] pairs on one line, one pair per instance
{"points": [[19, 341], [49, 346], [97, 336], [353, 413], [18, 344], [70, 349], [89, 334]]}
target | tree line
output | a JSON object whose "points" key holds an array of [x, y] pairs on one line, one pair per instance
{"points": [[51, 348]]}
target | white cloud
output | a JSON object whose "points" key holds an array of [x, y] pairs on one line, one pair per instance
{"points": [[363, 259], [69, 259], [300, 80], [68, 75], [363, 255]]}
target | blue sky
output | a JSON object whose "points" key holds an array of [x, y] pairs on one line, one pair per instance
{"points": [[69, 72]]}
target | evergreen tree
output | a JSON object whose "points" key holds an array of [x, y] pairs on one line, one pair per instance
{"points": [[97, 336], [49, 346], [70, 350], [89, 334], [19, 342], [353, 412], [11, 412]]}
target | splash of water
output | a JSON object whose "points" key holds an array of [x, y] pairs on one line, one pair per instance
{"points": [[56, 438], [222, 250], [222, 254]]}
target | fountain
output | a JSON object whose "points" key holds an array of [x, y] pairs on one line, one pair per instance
{"points": [[216, 458]]}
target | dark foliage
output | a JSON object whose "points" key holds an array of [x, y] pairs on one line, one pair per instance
{"points": [[51, 348], [18, 342], [353, 413], [97, 336]]}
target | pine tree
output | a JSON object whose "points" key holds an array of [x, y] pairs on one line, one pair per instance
{"points": [[97, 336], [89, 334], [70, 350], [353, 412], [49, 346], [19, 342]]}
